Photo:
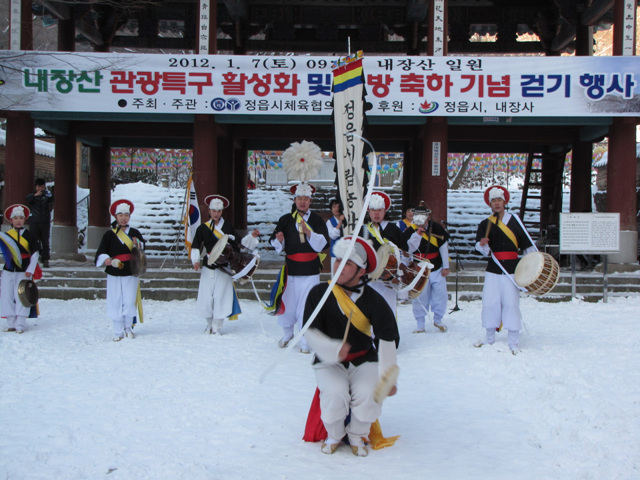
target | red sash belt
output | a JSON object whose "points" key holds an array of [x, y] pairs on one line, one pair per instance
{"points": [[506, 255], [302, 257], [125, 257], [352, 356], [428, 256]]}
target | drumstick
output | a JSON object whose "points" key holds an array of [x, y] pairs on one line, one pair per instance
{"points": [[346, 330], [486, 234]]}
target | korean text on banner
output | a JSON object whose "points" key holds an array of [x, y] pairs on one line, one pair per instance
{"points": [[348, 116]]}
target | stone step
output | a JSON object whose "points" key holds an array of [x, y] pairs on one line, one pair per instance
{"points": [[179, 282]]}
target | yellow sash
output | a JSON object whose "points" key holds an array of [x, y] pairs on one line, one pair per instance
{"points": [[432, 240], [507, 231], [213, 229], [13, 233], [124, 238], [358, 319], [376, 233], [298, 218]]}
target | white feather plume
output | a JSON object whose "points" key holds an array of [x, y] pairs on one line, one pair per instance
{"points": [[302, 161]]}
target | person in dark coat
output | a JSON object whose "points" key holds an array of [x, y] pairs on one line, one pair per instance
{"points": [[40, 203]]}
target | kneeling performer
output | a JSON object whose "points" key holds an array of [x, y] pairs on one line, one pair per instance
{"points": [[348, 361]]}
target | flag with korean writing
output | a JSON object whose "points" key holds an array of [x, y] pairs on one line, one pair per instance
{"points": [[192, 215], [348, 119]]}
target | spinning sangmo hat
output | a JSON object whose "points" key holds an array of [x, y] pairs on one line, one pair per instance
{"points": [[302, 162], [363, 254], [216, 202], [121, 206], [379, 200], [496, 191], [17, 210]]}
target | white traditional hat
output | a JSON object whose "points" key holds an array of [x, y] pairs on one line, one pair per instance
{"points": [[216, 202], [379, 200], [17, 210], [496, 191], [121, 206], [303, 190], [363, 253]]}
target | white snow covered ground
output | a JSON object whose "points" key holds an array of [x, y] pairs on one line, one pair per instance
{"points": [[174, 403]]}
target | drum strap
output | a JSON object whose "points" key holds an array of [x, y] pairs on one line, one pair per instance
{"points": [[124, 238], [506, 230], [358, 319], [218, 234]]}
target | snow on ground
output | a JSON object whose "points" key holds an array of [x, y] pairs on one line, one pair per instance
{"points": [[174, 403]]}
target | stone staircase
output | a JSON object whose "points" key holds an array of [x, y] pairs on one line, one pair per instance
{"points": [[174, 279]]}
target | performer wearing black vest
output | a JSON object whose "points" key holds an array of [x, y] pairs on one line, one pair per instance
{"points": [[428, 240], [123, 289], [501, 236], [348, 361], [26, 246], [380, 231], [217, 298], [302, 234]]}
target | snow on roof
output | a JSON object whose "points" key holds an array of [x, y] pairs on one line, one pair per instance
{"points": [[41, 147]]}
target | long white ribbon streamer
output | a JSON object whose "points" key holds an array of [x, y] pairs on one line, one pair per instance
{"points": [[335, 276]]}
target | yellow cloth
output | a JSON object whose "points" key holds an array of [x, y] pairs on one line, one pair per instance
{"points": [[298, 218], [351, 310], [126, 239], [507, 231], [431, 239], [375, 232], [13, 233], [377, 440]]}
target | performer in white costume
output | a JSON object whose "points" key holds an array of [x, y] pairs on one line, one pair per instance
{"points": [[123, 296], [217, 298]]}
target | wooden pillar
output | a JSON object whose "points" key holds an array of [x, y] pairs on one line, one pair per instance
{"points": [[621, 185], [240, 187], [205, 157], [66, 35], [65, 226], [100, 195], [580, 197], [433, 180], [621, 166], [225, 177], [19, 167]]}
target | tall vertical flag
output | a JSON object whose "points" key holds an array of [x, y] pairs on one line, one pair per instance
{"points": [[348, 118], [192, 215]]}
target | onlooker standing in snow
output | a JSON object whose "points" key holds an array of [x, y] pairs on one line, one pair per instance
{"points": [[347, 365], [29, 247], [501, 236], [40, 203], [335, 225], [428, 240], [302, 234], [123, 289], [217, 298]]}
